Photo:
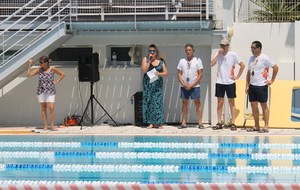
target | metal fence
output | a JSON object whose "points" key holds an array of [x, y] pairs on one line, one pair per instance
{"points": [[118, 10], [17, 32], [267, 10], [110, 10]]}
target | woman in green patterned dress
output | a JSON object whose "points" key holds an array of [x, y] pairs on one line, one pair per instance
{"points": [[153, 108]]}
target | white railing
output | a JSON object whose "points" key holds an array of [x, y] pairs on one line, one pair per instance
{"points": [[267, 10], [17, 33], [115, 10], [169, 8]]}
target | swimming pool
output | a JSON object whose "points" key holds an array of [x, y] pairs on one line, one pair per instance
{"points": [[148, 160]]}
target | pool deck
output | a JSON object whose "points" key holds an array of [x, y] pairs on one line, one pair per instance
{"points": [[191, 130]]}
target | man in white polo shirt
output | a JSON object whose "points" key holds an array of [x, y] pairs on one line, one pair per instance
{"points": [[226, 81], [257, 84], [190, 72]]}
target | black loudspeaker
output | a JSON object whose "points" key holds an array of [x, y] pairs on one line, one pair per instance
{"points": [[88, 67], [138, 109]]}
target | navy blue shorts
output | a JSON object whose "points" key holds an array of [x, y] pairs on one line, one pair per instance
{"points": [[258, 93], [194, 93], [228, 88]]}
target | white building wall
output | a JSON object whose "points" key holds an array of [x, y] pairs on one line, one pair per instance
{"points": [[297, 50], [228, 13], [113, 91], [278, 41]]}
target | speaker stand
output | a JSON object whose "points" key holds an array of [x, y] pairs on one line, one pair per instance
{"points": [[90, 102]]}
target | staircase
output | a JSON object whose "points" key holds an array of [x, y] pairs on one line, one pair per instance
{"points": [[23, 38]]}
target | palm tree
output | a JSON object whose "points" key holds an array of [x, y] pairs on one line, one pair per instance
{"points": [[276, 11]]}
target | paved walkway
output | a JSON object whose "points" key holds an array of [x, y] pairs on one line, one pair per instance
{"points": [[137, 130]]}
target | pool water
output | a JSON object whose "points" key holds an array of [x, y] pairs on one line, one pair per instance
{"points": [[149, 159]]}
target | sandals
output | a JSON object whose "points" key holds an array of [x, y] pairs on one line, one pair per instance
{"points": [[232, 127], [184, 126], [181, 127], [53, 129], [201, 126], [218, 126], [263, 131], [253, 129]]}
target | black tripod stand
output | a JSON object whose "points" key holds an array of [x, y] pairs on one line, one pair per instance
{"points": [[90, 101]]}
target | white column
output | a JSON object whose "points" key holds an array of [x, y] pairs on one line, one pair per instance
{"points": [[297, 50]]}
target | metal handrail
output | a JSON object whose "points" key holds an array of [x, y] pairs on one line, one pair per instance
{"points": [[5, 61], [32, 41], [24, 16], [15, 13], [23, 28]]}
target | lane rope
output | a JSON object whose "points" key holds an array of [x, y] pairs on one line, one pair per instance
{"points": [[163, 145], [148, 155], [148, 168]]}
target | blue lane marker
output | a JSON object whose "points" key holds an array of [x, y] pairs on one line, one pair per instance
{"points": [[218, 169], [229, 156], [75, 155], [99, 144], [238, 145], [29, 167]]}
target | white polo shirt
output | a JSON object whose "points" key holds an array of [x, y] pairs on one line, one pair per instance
{"points": [[226, 66], [190, 69], [259, 69]]}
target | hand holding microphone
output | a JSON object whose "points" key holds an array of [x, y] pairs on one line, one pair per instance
{"points": [[150, 58], [151, 52]]}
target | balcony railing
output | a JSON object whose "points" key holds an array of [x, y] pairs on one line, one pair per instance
{"points": [[122, 10]]}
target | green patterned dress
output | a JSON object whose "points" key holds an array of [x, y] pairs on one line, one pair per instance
{"points": [[153, 108]]}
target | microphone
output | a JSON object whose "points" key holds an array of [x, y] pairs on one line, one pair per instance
{"points": [[150, 56]]}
